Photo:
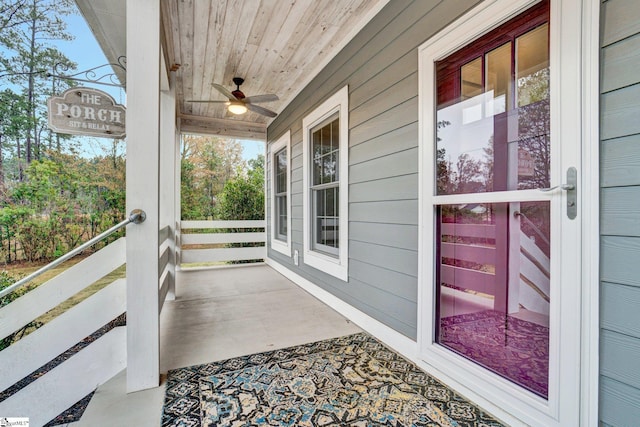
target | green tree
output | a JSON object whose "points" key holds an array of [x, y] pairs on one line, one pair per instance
{"points": [[13, 124], [243, 199], [63, 201], [29, 59], [207, 163], [243, 196], [9, 16]]}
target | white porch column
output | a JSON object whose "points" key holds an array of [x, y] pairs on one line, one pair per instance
{"points": [[178, 192], [143, 137]]}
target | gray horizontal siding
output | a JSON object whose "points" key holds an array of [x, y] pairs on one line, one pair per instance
{"points": [[388, 212], [619, 20], [394, 118], [397, 140], [620, 161], [617, 60], [619, 256], [394, 235], [620, 214], [395, 164], [392, 96], [619, 403], [396, 72], [395, 259], [619, 309], [401, 285], [394, 188], [620, 211], [620, 112], [619, 353], [380, 65]]}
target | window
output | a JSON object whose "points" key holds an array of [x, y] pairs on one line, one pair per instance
{"points": [[279, 154], [325, 167], [280, 193], [325, 187]]}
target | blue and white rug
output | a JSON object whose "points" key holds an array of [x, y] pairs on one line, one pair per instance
{"points": [[347, 381]]}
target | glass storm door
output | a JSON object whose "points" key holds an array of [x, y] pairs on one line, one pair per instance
{"points": [[493, 239]]}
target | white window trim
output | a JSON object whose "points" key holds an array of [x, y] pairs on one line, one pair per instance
{"points": [[276, 244], [513, 399], [337, 267]]}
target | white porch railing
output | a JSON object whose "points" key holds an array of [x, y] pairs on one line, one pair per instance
{"points": [[71, 380], [218, 242], [534, 285], [48, 395]]}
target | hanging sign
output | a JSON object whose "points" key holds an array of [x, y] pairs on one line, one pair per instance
{"points": [[88, 112], [526, 164]]}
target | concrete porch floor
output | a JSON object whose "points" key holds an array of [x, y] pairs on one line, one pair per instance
{"points": [[218, 314]]}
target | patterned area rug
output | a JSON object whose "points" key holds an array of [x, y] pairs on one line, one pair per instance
{"points": [[513, 348], [348, 381]]}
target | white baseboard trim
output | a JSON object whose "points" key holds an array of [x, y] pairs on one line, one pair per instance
{"points": [[393, 339]]}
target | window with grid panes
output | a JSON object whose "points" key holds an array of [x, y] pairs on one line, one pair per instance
{"points": [[325, 182], [280, 193]]}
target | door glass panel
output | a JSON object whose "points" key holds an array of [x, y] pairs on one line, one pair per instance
{"points": [[492, 259], [532, 79], [493, 288], [465, 154], [532, 66]]}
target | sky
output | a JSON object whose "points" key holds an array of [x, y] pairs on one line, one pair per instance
{"points": [[85, 51]]}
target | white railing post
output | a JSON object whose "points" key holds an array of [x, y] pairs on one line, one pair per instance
{"points": [[143, 138]]}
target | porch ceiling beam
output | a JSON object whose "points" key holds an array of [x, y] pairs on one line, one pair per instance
{"points": [[224, 127]]}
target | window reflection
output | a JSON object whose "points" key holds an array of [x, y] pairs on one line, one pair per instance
{"points": [[484, 144], [493, 287], [498, 63], [471, 78]]}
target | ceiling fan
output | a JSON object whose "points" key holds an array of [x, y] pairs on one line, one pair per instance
{"points": [[238, 103]]}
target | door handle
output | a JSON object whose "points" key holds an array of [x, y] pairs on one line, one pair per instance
{"points": [[572, 192], [562, 187]]}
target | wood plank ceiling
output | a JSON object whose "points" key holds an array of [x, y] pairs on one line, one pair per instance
{"points": [[277, 46]]}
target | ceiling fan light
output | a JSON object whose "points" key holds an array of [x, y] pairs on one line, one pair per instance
{"points": [[237, 108]]}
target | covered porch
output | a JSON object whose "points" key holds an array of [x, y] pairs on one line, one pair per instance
{"points": [[226, 316], [361, 57], [182, 61], [218, 314]]}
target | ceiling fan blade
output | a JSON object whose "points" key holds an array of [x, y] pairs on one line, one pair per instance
{"points": [[223, 90], [269, 97], [207, 101], [260, 110]]}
